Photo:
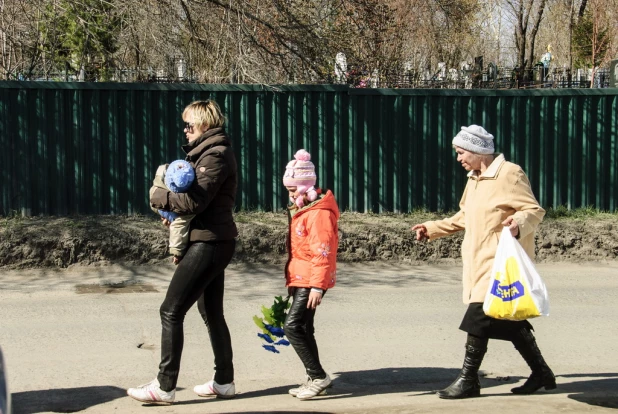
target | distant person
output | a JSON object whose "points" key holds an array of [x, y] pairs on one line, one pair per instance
{"points": [[547, 58], [311, 270], [200, 275], [497, 194], [177, 177]]}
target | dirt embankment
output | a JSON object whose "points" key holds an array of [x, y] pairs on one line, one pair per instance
{"points": [[135, 240]]}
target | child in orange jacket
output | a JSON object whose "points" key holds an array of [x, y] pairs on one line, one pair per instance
{"points": [[312, 265]]}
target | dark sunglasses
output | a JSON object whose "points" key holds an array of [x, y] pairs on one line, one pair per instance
{"points": [[189, 126]]}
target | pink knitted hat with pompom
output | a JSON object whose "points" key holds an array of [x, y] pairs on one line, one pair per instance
{"points": [[300, 173]]}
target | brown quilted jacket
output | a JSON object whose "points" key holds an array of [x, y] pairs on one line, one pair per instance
{"points": [[213, 193]]}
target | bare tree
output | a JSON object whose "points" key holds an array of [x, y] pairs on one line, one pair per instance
{"points": [[274, 41], [526, 17], [20, 23]]}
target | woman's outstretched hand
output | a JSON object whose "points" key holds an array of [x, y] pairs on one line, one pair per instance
{"points": [[512, 225], [421, 232], [165, 222]]}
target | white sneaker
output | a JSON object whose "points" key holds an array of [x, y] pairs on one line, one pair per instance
{"points": [[313, 388], [213, 389], [152, 393], [294, 391]]}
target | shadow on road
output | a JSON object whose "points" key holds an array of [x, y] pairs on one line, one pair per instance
{"points": [[424, 380], [52, 278], [601, 392], [593, 389], [384, 381], [64, 400]]}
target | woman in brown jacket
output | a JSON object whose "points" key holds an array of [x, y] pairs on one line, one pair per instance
{"points": [[497, 194], [200, 275]]}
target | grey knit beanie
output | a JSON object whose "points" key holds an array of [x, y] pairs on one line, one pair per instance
{"points": [[475, 139]]}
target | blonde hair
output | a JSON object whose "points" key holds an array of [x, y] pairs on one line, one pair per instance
{"points": [[486, 158], [205, 113], [476, 154]]}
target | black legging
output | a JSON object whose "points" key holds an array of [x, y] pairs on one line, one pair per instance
{"points": [[299, 330], [199, 278]]}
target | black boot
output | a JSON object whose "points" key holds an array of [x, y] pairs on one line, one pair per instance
{"points": [[467, 383], [541, 375]]}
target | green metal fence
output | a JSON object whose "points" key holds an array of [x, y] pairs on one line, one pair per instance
{"points": [[92, 148]]}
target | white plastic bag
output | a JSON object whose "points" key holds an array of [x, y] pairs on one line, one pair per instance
{"points": [[516, 291]]}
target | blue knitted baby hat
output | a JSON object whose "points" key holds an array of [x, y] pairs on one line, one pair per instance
{"points": [[179, 176]]}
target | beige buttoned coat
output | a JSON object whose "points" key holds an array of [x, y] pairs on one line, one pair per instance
{"points": [[488, 199]]}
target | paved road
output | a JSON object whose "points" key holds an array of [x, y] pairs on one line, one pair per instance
{"points": [[75, 340]]}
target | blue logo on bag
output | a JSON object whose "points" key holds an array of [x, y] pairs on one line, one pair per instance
{"points": [[508, 292]]}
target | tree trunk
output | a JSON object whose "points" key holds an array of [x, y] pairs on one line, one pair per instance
{"points": [[582, 8], [595, 44], [571, 24], [535, 30], [520, 35]]}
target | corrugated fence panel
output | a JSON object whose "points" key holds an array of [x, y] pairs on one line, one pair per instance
{"points": [[92, 148]]}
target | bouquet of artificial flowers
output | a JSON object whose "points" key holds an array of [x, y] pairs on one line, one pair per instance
{"points": [[272, 322]]}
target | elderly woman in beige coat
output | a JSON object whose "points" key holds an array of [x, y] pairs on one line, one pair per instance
{"points": [[497, 194]]}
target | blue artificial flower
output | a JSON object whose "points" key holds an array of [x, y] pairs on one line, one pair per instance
{"points": [[282, 342], [270, 348], [278, 332], [266, 338]]}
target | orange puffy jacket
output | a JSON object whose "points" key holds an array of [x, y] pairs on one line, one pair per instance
{"points": [[312, 244]]}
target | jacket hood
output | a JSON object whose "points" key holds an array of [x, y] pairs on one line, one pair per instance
{"points": [[325, 202]]}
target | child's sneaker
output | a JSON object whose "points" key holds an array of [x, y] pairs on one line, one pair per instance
{"points": [[294, 391], [213, 389], [152, 393], [313, 388]]}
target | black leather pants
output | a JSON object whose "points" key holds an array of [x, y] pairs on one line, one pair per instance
{"points": [[199, 278], [299, 331]]}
